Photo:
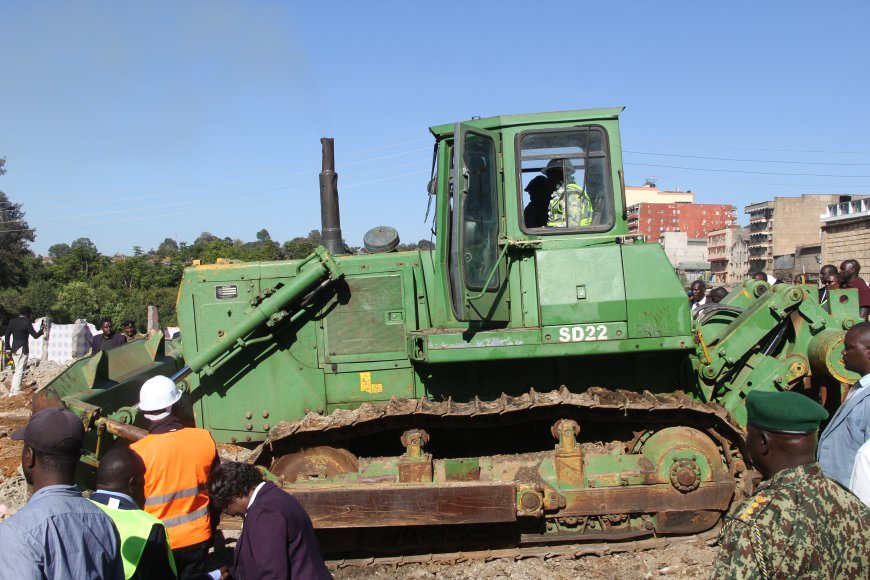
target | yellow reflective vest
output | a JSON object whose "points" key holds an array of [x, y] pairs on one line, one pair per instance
{"points": [[134, 527]]}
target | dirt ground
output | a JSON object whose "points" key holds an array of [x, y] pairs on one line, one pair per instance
{"points": [[14, 412], [682, 560]]}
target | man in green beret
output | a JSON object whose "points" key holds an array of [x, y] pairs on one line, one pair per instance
{"points": [[799, 523]]}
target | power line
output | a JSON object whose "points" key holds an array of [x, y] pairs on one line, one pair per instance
{"points": [[774, 184], [744, 160], [87, 215], [768, 149], [386, 156], [244, 194], [309, 173], [381, 148], [296, 174], [752, 172], [216, 209]]}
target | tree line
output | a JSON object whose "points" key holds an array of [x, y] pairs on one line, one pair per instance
{"points": [[75, 280]]}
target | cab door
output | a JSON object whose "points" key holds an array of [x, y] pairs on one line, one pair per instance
{"points": [[477, 261]]}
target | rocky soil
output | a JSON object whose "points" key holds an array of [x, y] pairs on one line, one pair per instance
{"points": [[14, 412], [688, 559], [682, 560]]}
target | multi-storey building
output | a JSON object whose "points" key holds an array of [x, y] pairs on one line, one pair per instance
{"points": [[846, 233], [760, 236], [727, 253], [738, 264], [649, 193], [695, 219], [718, 242], [777, 227]]}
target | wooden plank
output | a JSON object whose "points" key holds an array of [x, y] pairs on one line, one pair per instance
{"points": [[647, 499], [407, 505]]}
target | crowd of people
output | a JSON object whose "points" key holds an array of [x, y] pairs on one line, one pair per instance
{"points": [[155, 509], [157, 501], [16, 341], [811, 515], [830, 278]]}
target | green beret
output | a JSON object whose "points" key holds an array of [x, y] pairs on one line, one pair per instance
{"points": [[784, 411]]}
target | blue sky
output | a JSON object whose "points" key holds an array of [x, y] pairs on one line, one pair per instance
{"points": [[131, 122]]}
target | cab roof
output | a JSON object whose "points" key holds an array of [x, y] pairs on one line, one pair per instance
{"points": [[502, 121]]}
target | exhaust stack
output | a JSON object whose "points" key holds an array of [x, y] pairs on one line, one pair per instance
{"points": [[330, 220]]}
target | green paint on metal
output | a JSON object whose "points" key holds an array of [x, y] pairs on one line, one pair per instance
{"points": [[495, 308], [467, 469]]}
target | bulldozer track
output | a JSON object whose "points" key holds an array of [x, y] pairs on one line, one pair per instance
{"points": [[613, 403], [641, 413], [568, 552]]}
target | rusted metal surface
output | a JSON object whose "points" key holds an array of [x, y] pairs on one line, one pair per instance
{"points": [[416, 471], [682, 522], [318, 462], [647, 499], [685, 475], [123, 430], [568, 456], [382, 505], [415, 466], [605, 403], [671, 499], [46, 399]]}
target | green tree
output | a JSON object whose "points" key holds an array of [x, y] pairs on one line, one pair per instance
{"points": [[301, 247], [209, 252], [205, 238], [15, 237], [81, 263], [59, 251], [76, 300], [167, 247], [40, 296], [263, 236]]}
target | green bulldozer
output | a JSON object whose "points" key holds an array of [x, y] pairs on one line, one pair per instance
{"points": [[538, 377]]}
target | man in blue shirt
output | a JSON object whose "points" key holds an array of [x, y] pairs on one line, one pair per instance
{"points": [[58, 533], [850, 426]]}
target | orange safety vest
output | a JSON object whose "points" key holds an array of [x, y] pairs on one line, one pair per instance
{"points": [[177, 465]]}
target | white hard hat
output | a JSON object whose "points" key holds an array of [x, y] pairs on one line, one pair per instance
{"points": [[158, 393]]}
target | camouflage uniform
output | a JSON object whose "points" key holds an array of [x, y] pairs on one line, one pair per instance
{"points": [[798, 524], [579, 211]]}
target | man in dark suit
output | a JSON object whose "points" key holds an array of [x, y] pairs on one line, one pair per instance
{"points": [[277, 538], [850, 426], [17, 344]]}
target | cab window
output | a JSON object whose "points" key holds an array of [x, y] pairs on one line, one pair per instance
{"points": [[565, 180], [480, 211]]}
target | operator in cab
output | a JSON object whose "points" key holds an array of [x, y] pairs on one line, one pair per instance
{"points": [[536, 213], [178, 461], [570, 206]]}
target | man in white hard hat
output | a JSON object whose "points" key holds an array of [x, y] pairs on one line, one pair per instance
{"points": [[178, 461]]}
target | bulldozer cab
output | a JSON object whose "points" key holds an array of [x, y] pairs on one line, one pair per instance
{"points": [[512, 187]]}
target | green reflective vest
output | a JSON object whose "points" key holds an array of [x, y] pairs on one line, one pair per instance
{"points": [[134, 527], [570, 207]]}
